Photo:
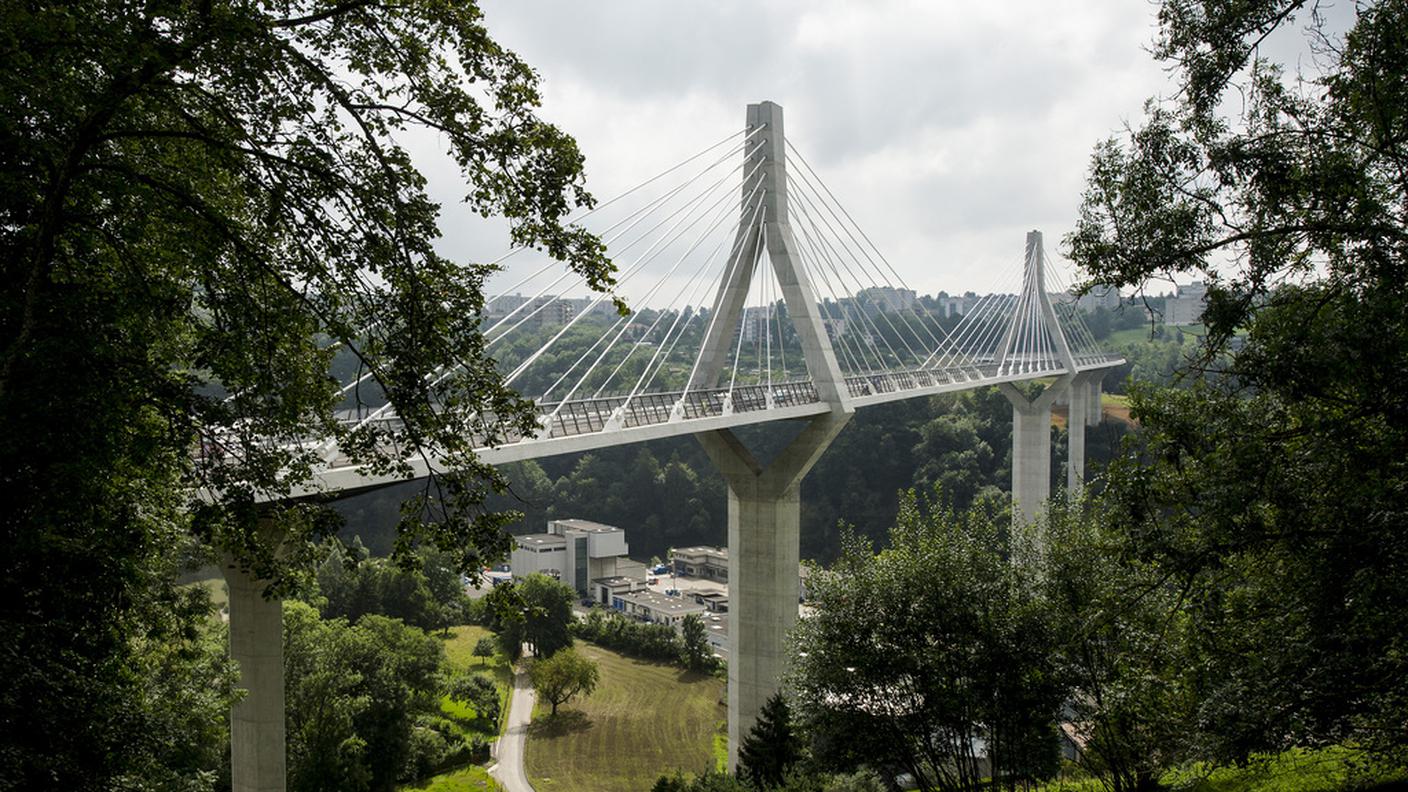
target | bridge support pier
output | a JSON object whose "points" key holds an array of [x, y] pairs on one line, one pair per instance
{"points": [[257, 751], [764, 534], [1084, 410], [1031, 448]]}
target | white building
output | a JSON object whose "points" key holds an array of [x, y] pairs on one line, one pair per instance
{"points": [[710, 563], [580, 553], [655, 607], [1187, 306], [889, 298]]}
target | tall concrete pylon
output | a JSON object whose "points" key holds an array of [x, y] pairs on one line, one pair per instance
{"points": [[764, 503], [1031, 418]]}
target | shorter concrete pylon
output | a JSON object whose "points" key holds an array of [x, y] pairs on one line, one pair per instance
{"points": [[1077, 418], [764, 535], [258, 759], [1031, 448]]}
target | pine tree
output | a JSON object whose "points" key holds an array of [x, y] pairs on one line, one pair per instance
{"points": [[771, 747]]}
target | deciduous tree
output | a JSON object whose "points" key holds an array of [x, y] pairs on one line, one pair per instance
{"points": [[557, 679], [1275, 489], [198, 202], [914, 655]]}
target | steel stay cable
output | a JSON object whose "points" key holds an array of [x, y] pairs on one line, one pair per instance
{"points": [[835, 330], [860, 286], [837, 202], [713, 316], [630, 272], [970, 328], [710, 229], [638, 266], [734, 253], [802, 180], [818, 257], [652, 179], [835, 268], [648, 373], [626, 276], [990, 327], [743, 314], [809, 250]]}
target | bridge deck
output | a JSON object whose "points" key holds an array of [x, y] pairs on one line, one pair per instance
{"points": [[586, 424]]}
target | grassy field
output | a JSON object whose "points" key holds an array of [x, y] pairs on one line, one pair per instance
{"points": [[468, 779], [644, 719], [459, 650]]}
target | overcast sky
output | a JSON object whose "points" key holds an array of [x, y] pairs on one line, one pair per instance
{"points": [[948, 129]]}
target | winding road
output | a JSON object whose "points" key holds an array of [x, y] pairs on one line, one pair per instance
{"points": [[509, 769]]}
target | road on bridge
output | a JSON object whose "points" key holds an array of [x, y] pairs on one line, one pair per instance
{"points": [[509, 770]]}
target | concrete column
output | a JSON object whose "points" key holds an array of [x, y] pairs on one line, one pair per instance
{"points": [[764, 534], [1077, 414], [1031, 460], [1031, 448], [1096, 391], [257, 750]]}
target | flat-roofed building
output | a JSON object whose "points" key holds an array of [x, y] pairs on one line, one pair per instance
{"points": [[713, 601], [603, 589], [655, 607], [579, 553], [1187, 306], [542, 553], [710, 563]]}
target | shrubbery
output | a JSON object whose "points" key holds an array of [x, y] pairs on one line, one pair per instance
{"points": [[643, 640]]}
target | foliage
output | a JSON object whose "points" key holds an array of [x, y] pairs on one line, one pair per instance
{"points": [[196, 201], [459, 645], [714, 781], [1274, 491], [642, 717], [1123, 650], [538, 612], [557, 679], [771, 748], [913, 655], [362, 702], [646, 640], [428, 596], [694, 644], [479, 692], [465, 779], [484, 648]]}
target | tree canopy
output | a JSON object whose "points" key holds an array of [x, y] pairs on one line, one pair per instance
{"points": [[563, 676], [199, 203], [1274, 491], [931, 652]]}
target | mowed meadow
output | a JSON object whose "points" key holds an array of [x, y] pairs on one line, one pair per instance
{"points": [[644, 719]]}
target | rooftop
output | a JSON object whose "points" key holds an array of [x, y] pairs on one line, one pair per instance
{"points": [[618, 580], [660, 602], [540, 540], [586, 526], [719, 552]]}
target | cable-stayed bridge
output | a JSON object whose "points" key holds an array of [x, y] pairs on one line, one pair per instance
{"points": [[759, 300], [717, 341]]}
